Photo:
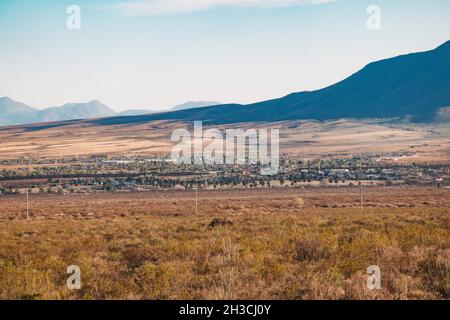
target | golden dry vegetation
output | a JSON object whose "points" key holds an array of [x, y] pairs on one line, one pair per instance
{"points": [[248, 244]]}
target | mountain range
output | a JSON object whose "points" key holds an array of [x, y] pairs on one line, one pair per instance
{"points": [[414, 86], [13, 112]]}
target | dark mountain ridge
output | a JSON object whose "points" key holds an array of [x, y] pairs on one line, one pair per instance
{"points": [[413, 86]]}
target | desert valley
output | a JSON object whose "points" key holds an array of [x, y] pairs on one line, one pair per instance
{"points": [[350, 194], [94, 205]]}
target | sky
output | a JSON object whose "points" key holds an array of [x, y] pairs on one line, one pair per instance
{"points": [[159, 53]]}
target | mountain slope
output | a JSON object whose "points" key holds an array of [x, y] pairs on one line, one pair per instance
{"points": [[14, 112], [195, 104], [135, 112], [414, 85]]}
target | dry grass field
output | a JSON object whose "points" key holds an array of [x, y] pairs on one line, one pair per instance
{"points": [[275, 243], [249, 244], [299, 138]]}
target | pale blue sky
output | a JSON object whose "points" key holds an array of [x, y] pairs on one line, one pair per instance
{"points": [[142, 55]]}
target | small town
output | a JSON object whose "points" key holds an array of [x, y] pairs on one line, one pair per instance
{"points": [[115, 174]]}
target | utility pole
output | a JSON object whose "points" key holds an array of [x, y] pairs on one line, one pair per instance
{"points": [[360, 186], [28, 211], [196, 200], [361, 194]]}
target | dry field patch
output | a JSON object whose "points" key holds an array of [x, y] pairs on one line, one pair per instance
{"points": [[246, 244]]}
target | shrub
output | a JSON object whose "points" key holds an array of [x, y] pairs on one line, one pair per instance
{"points": [[311, 250], [217, 222], [136, 256]]}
